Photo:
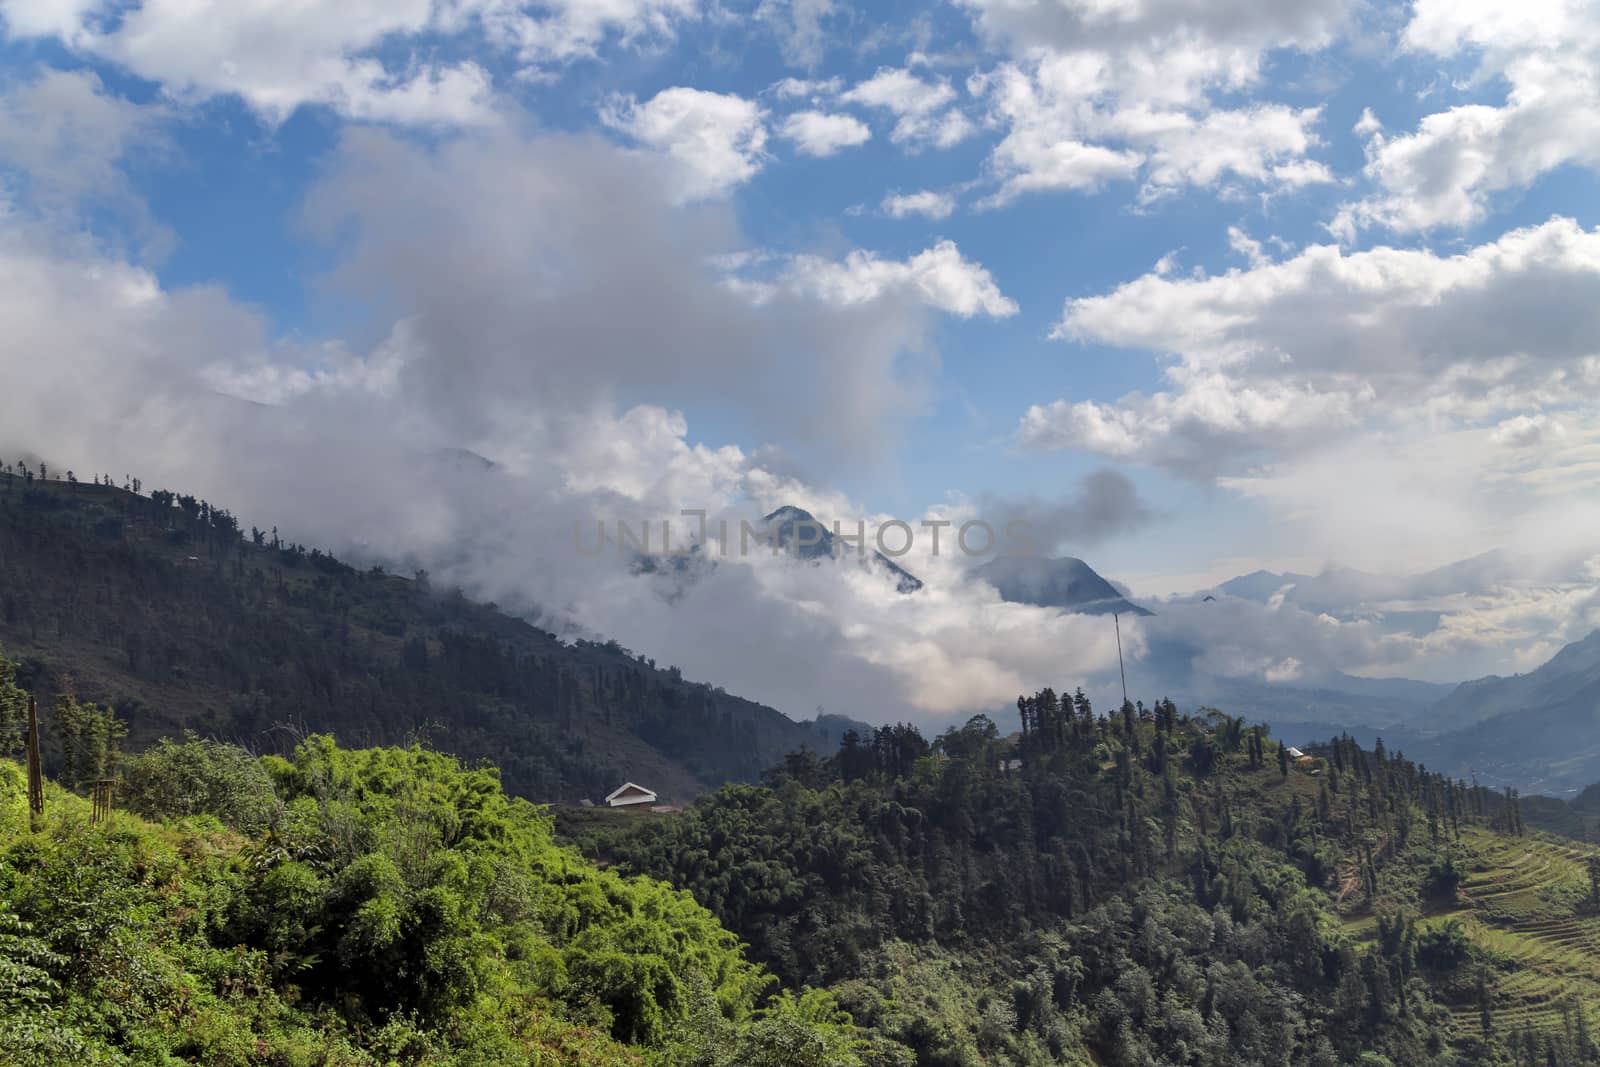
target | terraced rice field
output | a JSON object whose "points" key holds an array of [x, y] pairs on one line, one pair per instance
{"points": [[1519, 903]]}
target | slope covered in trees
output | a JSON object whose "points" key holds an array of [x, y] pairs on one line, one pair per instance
{"points": [[1144, 888], [160, 606], [355, 909]]}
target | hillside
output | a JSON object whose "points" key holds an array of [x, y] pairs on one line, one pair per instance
{"points": [[1537, 731], [1146, 889], [1577, 818], [1569, 680], [370, 908], [162, 607]]}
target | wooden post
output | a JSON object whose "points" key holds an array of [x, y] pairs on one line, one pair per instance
{"points": [[35, 777], [102, 800]]}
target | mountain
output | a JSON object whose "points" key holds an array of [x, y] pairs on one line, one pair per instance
{"points": [[1571, 675], [1538, 731], [789, 529], [1067, 582], [156, 604], [797, 531], [1343, 591]]}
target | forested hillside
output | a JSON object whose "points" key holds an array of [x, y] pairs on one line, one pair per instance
{"points": [[160, 606], [1146, 888], [365, 908]]}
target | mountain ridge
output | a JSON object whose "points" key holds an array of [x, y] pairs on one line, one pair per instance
{"points": [[159, 605], [1064, 582]]}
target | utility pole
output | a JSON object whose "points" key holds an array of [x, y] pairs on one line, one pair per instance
{"points": [[1116, 620], [35, 777]]}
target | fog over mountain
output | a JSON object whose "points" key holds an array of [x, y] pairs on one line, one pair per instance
{"points": [[452, 316]]}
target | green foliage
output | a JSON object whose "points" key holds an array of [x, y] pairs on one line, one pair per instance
{"points": [[91, 740], [158, 606], [1104, 902], [174, 780], [13, 708], [382, 906]]}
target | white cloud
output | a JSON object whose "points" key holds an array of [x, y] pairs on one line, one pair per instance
{"points": [[926, 203], [1246, 246], [939, 276], [717, 139], [1448, 171], [335, 52], [793, 88], [924, 116], [1027, 162], [505, 339], [318, 53], [800, 26], [65, 139], [900, 91], [1526, 431], [1100, 92], [1240, 29], [1265, 144], [1285, 353], [550, 31], [816, 133]]}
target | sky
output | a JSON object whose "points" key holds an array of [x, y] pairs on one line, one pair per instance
{"points": [[1197, 288]]}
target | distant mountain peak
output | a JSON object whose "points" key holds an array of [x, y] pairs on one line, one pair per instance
{"points": [[1066, 582], [783, 526]]}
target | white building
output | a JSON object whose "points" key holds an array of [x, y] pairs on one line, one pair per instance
{"points": [[1295, 753], [627, 795]]}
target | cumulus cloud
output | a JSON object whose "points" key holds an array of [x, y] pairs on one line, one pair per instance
{"points": [[1286, 353], [1097, 93], [922, 109], [564, 30], [940, 276], [1524, 431], [717, 140], [497, 332], [336, 53], [1446, 172], [927, 203], [320, 53], [1235, 33], [819, 134]]}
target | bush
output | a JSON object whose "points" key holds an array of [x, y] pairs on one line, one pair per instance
{"points": [[176, 780]]}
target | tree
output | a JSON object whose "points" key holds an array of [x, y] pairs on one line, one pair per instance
{"points": [[1283, 759], [13, 708], [91, 740]]}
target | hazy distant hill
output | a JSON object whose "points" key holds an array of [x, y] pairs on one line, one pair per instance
{"points": [[1340, 590], [1538, 731], [166, 610], [1571, 678], [1067, 582]]}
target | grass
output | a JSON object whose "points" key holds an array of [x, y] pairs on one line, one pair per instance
{"points": [[1521, 907]]}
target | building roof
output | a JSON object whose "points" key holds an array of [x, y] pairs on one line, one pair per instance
{"points": [[1295, 753], [622, 789]]}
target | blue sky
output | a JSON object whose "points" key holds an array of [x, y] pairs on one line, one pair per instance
{"points": [[1312, 278]]}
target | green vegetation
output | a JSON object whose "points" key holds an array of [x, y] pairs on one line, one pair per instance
{"points": [[159, 606], [381, 906], [1128, 890], [1144, 888]]}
